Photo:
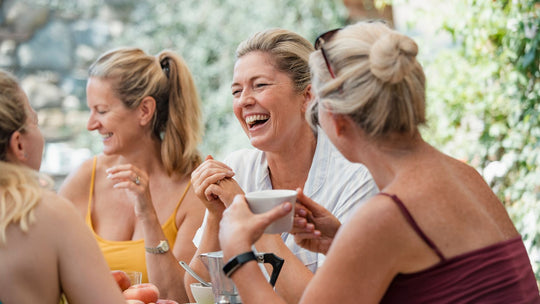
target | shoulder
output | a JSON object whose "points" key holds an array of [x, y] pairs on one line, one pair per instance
{"points": [[57, 210], [380, 226], [76, 186]]}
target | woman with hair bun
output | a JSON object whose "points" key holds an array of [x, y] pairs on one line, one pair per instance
{"points": [[436, 233], [136, 196]]}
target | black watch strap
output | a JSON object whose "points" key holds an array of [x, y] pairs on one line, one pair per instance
{"points": [[239, 260]]}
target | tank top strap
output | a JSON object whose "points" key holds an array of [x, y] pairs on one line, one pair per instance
{"points": [[91, 192], [414, 225], [182, 198]]}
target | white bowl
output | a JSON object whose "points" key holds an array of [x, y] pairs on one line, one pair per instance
{"points": [[202, 294]]}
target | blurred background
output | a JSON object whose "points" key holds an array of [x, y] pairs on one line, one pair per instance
{"points": [[481, 58]]}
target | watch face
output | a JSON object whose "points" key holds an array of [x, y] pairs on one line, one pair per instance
{"points": [[164, 246]]}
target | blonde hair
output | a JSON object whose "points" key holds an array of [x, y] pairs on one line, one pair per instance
{"points": [[12, 110], [166, 78], [19, 188], [378, 81], [289, 50]]}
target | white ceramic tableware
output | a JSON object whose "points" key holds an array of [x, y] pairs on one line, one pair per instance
{"points": [[202, 294], [262, 201]]}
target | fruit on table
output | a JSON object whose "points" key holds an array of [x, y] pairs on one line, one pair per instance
{"points": [[121, 279], [146, 292], [163, 301]]}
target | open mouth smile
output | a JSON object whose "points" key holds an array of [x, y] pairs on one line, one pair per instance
{"points": [[255, 120]]}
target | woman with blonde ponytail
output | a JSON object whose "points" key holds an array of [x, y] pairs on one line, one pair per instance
{"points": [[136, 196], [45, 248]]}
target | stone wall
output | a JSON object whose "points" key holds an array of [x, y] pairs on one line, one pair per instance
{"points": [[49, 49]]}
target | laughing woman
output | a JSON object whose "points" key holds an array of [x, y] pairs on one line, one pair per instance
{"points": [[136, 196], [271, 92]]}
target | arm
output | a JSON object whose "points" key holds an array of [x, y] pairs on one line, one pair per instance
{"points": [[204, 180], [361, 263], [294, 275], [239, 229], [163, 268], [83, 272], [367, 253]]}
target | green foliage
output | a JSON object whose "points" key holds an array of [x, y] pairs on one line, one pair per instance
{"points": [[484, 103]]}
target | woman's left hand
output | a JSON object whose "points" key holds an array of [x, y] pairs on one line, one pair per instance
{"points": [[135, 182], [240, 228]]}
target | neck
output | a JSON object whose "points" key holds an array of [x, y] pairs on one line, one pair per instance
{"points": [[289, 168], [145, 155], [387, 157]]}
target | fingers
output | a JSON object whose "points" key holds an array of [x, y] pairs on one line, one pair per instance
{"points": [[309, 204], [127, 176], [208, 173], [298, 237]]}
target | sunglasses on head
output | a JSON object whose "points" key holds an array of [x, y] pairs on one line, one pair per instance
{"points": [[319, 41], [326, 36]]}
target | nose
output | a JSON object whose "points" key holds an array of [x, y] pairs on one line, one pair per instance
{"points": [[92, 123], [247, 98]]}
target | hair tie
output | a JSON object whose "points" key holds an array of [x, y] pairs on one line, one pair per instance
{"points": [[165, 66]]}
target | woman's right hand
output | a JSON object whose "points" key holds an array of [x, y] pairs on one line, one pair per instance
{"points": [[314, 226], [240, 228], [207, 183]]}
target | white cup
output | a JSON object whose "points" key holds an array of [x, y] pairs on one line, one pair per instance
{"points": [[202, 294], [262, 201]]}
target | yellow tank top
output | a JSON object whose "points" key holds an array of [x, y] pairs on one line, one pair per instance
{"points": [[130, 255]]}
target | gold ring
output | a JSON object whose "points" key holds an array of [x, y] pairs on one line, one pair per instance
{"points": [[219, 181], [137, 180]]}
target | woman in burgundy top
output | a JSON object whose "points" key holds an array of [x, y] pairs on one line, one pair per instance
{"points": [[435, 234]]}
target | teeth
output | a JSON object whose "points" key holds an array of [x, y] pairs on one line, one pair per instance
{"points": [[253, 118], [106, 135]]}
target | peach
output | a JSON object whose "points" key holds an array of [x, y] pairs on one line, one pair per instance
{"points": [[146, 292], [164, 301], [121, 279]]}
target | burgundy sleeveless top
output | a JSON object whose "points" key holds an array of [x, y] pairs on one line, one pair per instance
{"points": [[499, 273]]}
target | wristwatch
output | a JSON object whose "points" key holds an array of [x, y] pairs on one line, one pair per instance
{"points": [[162, 247]]}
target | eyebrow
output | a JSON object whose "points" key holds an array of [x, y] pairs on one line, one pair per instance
{"points": [[250, 79]]}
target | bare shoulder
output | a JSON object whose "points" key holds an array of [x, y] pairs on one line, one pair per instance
{"points": [[58, 215], [77, 183], [370, 249], [378, 220]]}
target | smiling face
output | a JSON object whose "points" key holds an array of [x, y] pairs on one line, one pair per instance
{"points": [[117, 124], [265, 103]]}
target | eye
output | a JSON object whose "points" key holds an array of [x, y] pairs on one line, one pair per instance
{"points": [[236, 92], [260, 85]]}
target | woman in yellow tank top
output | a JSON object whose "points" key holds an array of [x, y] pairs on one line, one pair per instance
{"points": [[136, 196]]}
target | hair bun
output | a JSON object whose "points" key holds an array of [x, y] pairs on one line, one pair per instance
{"points": [[392, 56]]}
